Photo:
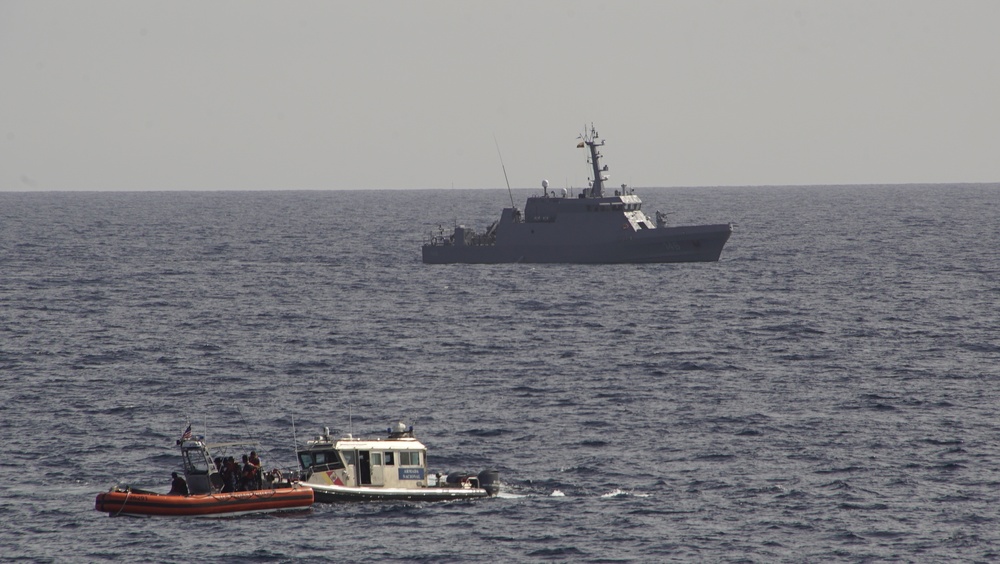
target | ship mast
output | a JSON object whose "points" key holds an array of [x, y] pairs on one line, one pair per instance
{"points": [[592, 142]]}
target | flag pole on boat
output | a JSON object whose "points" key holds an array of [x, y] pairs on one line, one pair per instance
{"points": [[295, 445]]}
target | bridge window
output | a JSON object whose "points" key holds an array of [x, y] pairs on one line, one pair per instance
{"points": [[321, 460], [195, 462], [349, 457], [409, 458]]}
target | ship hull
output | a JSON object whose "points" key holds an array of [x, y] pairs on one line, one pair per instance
{"points": [[699, 243], [334, 493], [142, 503]]}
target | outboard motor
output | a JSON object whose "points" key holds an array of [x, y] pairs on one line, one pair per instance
{"points": [[489, 480]]}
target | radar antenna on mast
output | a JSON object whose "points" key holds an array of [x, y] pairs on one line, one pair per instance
{"points": [[592, 141]]}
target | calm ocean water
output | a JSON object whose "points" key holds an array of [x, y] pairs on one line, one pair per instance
{"points": [[828, 391]]}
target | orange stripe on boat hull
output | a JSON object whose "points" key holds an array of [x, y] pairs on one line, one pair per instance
{"points": [[130, 503]]}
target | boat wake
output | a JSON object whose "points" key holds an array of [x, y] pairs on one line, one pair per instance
{"points": [[623, 493], [616, 493]]}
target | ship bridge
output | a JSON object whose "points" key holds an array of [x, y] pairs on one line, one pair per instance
{"points": [[545, 209]]}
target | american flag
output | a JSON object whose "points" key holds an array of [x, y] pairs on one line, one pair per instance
{"points": [[187, 434]]}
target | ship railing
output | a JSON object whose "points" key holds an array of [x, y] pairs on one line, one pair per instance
{"points": [[475, 240], [442, 240]]}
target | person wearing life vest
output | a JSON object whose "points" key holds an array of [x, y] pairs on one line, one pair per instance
{"points": [[256, 479]]}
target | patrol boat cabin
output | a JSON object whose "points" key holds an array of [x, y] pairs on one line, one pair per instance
{"points": [[395, 467]]}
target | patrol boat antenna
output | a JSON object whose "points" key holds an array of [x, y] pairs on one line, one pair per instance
{"points": [[509, 193]]}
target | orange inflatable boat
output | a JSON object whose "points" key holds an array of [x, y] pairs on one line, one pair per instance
{"points": [[129, 501], [200, 493]]}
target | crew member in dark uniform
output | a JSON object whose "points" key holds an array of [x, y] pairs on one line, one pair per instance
{"points": [[178, 486]]}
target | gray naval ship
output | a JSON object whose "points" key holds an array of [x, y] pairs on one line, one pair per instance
{"points": [[593, 227]]}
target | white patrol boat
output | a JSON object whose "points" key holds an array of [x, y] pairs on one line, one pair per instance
{"points": [[393, 468]]}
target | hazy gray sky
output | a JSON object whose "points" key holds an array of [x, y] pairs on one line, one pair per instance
{"points": [[250, 94]]}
